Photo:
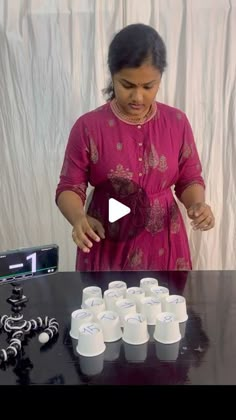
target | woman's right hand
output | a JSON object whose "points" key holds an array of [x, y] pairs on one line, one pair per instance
{"points": [[85, 229]]}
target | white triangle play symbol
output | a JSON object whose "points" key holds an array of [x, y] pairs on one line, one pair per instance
{"points": [[117, 210]]}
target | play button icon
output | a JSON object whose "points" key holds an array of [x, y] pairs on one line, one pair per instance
{"points": [[122, 206], [117, 210]]}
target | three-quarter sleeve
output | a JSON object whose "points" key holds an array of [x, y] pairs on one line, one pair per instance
{"points": [[190, 167], [75, 169]]}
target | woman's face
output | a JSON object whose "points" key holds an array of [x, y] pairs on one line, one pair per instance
{"points": [[136, 89]]}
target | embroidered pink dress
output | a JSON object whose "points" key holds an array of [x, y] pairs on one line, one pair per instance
{"points": [[157, 155]]}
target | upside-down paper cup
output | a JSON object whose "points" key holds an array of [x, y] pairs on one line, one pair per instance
{"points": [[123, 308], [95, 305], [177, 305], [160, 293], [150, 307], [90, 342], [111, 296], [135, 329], [91, 292], [167, 328], [79, 317], [110, 323], [117, 284], [146, 283], [135, 294]]}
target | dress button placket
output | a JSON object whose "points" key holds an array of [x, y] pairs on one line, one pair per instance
{"points": [[140, 151]]}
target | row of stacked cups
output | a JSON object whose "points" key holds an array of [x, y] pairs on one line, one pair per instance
{"points": [[126, 313]]}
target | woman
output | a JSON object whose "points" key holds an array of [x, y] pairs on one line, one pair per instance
{"points": [[136, 139]]}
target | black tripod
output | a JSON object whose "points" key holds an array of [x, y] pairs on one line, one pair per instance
{"points": [[17, 327]]}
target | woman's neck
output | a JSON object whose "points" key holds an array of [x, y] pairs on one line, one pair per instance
{"points": [[132, 119]]}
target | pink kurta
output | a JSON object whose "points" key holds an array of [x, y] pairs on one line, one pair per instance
{"points": [[156, 155]]}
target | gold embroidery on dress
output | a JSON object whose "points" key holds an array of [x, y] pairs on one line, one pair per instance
{"points": [[135, 258], [188, 151], [93, 151], [151, 160], [181, 264], [120, 179], [120, 172], [119, 146], [153, 157], [132, 120], [174, 219], [162, 166], [156, 218]]}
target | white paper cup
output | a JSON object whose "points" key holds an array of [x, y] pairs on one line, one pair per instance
{"points": [[111, 296], [135, 354], [167, 352], [91, 366], [135, 294], [123, 308], [110, 323], [160, 293], [121, 285], [90, 342], [135, 329], [95, 305], [167, 328], [90, 292], [146, 283], [112, 351], [150, 307], [79, 317], [177, 305]]}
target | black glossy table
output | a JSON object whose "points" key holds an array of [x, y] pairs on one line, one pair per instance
{"points": [[205, 355]]}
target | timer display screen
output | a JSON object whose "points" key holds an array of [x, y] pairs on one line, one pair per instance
{"points": [[28, 262]]}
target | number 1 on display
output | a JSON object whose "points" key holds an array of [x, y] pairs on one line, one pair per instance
{"points": [[33, 263]]}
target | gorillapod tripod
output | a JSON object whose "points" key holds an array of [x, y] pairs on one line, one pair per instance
{"points": [[16, 326]]}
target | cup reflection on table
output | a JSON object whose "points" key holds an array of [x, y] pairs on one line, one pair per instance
{"points": [[91, 366], [167, 352], [112, 351], [135, 353]]}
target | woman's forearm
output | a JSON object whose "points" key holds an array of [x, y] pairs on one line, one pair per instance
{"points": [[193, 194], [71, 206]]}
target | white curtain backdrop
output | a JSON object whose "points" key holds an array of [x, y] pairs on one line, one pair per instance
{"points": [[53, 66]]}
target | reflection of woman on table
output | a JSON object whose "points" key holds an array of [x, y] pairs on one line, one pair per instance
{"points": [[138, 139]]}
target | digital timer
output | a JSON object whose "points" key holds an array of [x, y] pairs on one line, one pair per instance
{"points": [[28, 262]]}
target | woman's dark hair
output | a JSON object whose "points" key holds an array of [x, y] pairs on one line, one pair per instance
{"points": [[131, 47]]}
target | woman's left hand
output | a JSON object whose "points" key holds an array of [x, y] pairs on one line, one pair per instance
{"points": [[202, 216]]}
